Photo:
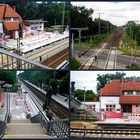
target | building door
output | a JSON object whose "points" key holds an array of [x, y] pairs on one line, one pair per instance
{"points": [[127, 108], [12, 34], [137, 108]]}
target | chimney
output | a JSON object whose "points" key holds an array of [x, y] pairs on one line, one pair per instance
{"points": [[14, 7], [123, 80]]}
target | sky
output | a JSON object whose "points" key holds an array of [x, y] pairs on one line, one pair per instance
{"points": [[87, 79], [117, 13]]}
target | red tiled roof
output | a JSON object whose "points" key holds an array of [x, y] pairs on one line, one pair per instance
{"points": [[130, 100], [112, 88], [11, 25], [2, 7], [131, 85], [116, 88], [8, 11]]}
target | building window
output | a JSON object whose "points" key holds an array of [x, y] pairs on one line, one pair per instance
{"points": [[8, 19], [138, 93], [111, 108], [15, 19], [131, 93], [128, 93], [93, 107], [106, 107]]}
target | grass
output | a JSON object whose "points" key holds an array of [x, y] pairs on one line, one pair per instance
{"points": [[83, 119], [128, 46], [90, 43], [133, 66]]}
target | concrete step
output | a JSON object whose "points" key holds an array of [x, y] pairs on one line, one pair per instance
{"points": [[21, 121], [24, 129]]}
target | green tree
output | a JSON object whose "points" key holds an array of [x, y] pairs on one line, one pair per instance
{"points": [[89, 94], [105, 78]]}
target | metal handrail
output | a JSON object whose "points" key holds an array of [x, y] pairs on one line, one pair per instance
{"points": [[6, 116], [22, 58]]}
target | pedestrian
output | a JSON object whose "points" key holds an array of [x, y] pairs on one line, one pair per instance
{"points": [[95, 57], [21, 43], [40, 57]]}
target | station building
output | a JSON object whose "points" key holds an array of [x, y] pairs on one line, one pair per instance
{"points": [[10, 21], [118, 98], [34, 24]]}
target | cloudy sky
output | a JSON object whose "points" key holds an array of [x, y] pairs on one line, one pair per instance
{"points": [[87, 79], [117, 13]]}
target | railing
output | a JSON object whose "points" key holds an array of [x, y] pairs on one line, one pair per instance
{"points": [[134, 117], [3, 124], [58, 128], [9, 60]]}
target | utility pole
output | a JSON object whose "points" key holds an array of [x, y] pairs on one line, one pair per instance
{"points": [[107, 27], [84, 98], [99, 23], [135, 49], [100, 104], [55, 22], [63, 15], [72, 44]]}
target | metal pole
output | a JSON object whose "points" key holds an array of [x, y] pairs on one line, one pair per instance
{"points": [[55, 22], [99, 25], [72, 45], [63, 15], [135, 49], [100, 104], [79, 35], [84, 98]]}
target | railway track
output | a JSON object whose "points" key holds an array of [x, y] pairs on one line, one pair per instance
{"points": [[110, 46], [111, 59], [58, 109], [105, 132], [47, 52], [90, 61], [57, 59]]}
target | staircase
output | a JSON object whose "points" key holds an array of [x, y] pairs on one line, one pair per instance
{"points": [[24, 129]]}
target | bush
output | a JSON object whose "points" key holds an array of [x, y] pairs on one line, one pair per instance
{"points": [[74, 63], [133, 66]]}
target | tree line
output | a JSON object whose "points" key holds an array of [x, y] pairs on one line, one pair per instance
{"points": [[51, 12], [82, 17], [133, 31], [42, 78]]}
